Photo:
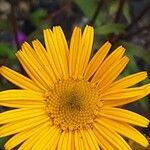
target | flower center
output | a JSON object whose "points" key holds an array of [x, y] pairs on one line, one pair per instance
{"points": [[73, 104]]}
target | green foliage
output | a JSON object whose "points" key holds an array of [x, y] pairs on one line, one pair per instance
{"points": [[37, 16], [3, 24], [2, 142], [138, 51], [87, 6], [126, 12], [6, 51], [102, 17], [113, 6], [110, 28]]}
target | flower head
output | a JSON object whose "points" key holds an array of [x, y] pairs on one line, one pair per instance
{"points": [[69, 100]]}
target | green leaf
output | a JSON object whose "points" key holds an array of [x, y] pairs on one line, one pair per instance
{"points": [[144, 103], [101, 19], [4, 49], [113, 6], [2, 142], [137, 51], [126, 12], [88, 7], [37, 16], [110, 28], [4, 24], [132, 66]]}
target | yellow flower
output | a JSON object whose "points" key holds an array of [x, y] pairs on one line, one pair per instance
{"points": [[69, 101]]}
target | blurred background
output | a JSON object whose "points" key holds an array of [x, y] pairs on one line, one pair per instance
{"points": [[122, 22]]}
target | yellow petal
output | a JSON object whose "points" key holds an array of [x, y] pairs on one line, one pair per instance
{"points": [[128, 81], [65, 141], [10, 95], [126, 93], [53, 51], [120, 102], [126, 130], [96, 61], [62, 47], [114, 138], [60, 142], [23, 104], [77, 140], [42, 56], [30, 71], [18, 79], [41, 141], [93, 144], [124, 116], [69, 145], [111, 60], [31, 141], [75, 45], [87, 43], [111, 74], [103, 142], [73, 141], [80, 50], [18, 126], [85, 140], [31, 59], [49, 55], [22, 136], [52, 140], [125, 96], [20, 114]]}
